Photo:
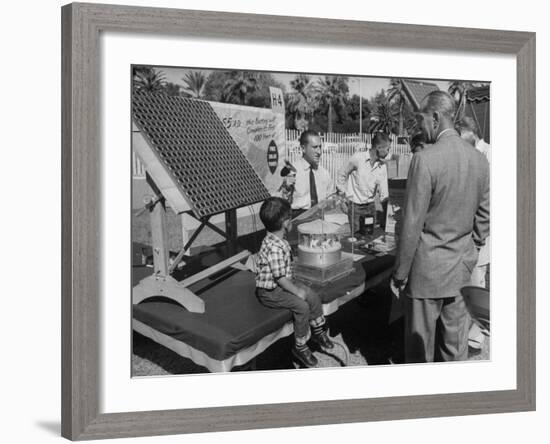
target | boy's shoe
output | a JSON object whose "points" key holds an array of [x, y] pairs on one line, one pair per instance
{"points": [[304, 356], [322, 340]]}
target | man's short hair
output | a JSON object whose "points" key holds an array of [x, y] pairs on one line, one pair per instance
{"points": [[441, 102], [469, 124], [304, 137], [379, 138], [273, 212]]}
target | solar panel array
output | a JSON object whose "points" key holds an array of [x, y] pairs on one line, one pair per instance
{"points": [[198, 153]]}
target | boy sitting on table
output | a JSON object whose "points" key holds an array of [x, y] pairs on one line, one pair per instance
{"points": [[276, 289]]}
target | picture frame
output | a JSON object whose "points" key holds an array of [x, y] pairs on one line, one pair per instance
{"points": [[81, 171]]}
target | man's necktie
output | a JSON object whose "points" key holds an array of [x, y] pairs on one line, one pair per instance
{"points": [[312, 188]]}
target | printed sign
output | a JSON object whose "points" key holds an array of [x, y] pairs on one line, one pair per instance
{"points": [[277, 100], [260, 134], [272, 157]]}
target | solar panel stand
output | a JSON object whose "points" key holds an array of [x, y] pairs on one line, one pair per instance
{"points": [[193, 162], [160, 283], [231, 230]]}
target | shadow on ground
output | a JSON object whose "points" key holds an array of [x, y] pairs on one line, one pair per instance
{"points": [[368, 327]]}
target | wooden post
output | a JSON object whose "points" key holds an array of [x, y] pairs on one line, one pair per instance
{"points": [[158, 230], [231, 230], [160, 238], [184, 232]]}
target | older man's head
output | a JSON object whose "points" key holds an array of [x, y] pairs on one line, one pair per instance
{"points": [[437, 113]]}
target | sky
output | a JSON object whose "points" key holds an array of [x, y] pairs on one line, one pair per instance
{"points": [[368, 86]]}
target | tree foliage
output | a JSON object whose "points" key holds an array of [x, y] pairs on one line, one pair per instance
{"points": [[172, 89], [240, 87], [322, 104], [148, 79], [194, 83], [398, 102], [351, 122], [300, 102], [332, 93]]}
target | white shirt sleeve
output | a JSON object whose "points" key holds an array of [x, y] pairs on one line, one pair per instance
{"points": [[384, 194], [330, 185], [343, 174]]}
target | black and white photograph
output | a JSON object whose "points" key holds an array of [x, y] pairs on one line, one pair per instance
{"points": [[285, 220], [274, 222]]}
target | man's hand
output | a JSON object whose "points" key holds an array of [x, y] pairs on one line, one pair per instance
{"points": [[397, 286], [344, 205], [290, 180]]}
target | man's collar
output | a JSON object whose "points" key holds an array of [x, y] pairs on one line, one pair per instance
{"points": [[306, 165], [446, 133]]}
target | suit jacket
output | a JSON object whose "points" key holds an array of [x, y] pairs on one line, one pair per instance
{"points": [[446, 216]]}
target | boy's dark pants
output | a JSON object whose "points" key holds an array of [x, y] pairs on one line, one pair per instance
{"points": [[303, 311]]}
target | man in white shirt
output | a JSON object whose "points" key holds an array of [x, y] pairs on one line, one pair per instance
{"points": [[364, 176], [312, 183], [469, 131]]}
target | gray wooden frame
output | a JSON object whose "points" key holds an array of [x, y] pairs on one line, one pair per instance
{"points": [[81, 167]]}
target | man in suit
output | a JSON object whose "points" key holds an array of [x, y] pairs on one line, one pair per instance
{"points": [[445, 223]]}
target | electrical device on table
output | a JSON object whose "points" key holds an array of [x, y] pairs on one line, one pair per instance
{"points": [[320, 258]]}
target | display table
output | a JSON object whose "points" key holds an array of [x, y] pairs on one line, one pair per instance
{"points": [[235, 326]]}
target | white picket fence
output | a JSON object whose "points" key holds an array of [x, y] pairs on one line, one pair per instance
{"points": [[349, 142], [337, 149]]}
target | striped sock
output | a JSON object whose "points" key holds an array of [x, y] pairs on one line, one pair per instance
{"points": [[318, 330], [317, 322]]}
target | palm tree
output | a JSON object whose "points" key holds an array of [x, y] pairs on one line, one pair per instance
{"points": [[396, 95], [149, 79], [385, 117], [194, 83], [459, 91], [239, 87], [300, 102], [332, 92], [172, 89]]}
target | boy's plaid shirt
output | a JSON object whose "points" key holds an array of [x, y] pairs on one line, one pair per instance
{"points": [[274, 262]]}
